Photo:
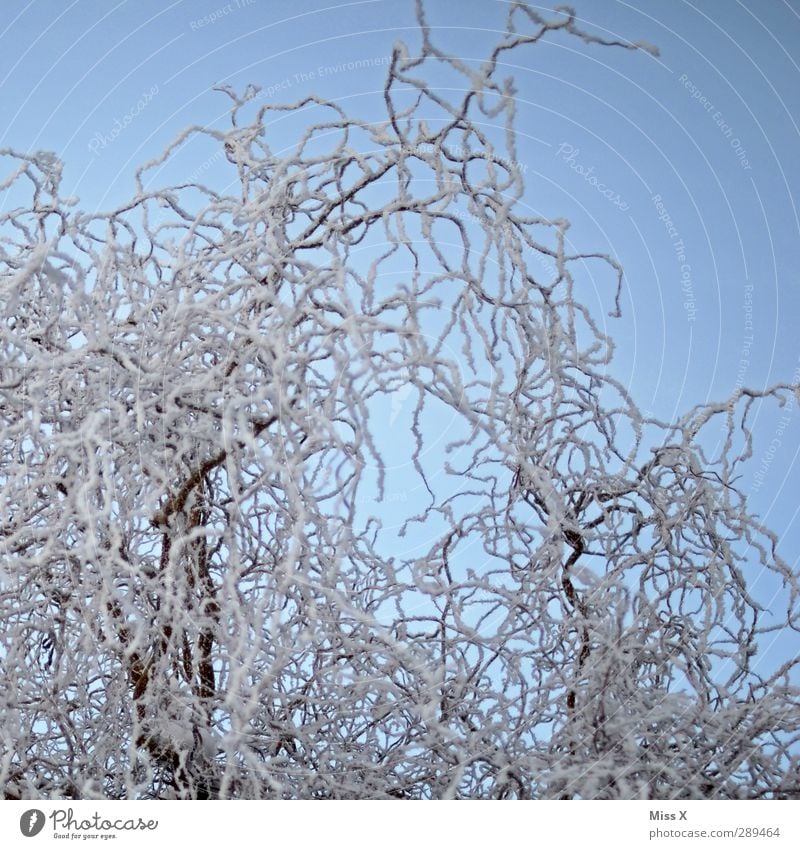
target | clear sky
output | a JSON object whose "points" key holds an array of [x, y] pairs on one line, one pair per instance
{"points": [[685, 167]]}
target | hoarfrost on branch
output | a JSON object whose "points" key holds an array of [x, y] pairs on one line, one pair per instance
{"points": [[200, 595]]}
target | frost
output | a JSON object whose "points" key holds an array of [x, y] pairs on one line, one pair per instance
{"points": [[317, 487]]}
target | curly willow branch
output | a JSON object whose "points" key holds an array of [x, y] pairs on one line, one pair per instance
{"points": [[216, 399]]}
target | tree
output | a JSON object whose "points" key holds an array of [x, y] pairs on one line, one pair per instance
{"points": [[200, 598]]}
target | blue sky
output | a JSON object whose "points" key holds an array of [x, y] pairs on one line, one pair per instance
{"points": [[683, 167]]}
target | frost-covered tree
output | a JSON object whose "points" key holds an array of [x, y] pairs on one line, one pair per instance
{"points": [[201, 594]]}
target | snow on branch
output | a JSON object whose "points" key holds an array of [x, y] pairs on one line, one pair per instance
{"points": [[209, 396]]}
